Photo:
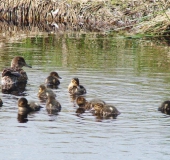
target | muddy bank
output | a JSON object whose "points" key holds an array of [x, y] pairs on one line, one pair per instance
{"points": [[129, 16]]}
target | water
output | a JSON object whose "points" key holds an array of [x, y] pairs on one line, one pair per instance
{"points": [[132, 74]]}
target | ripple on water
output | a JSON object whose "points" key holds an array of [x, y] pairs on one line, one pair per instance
{"points": [[125, 78]]}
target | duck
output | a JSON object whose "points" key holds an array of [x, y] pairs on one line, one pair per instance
{"points": [[75, 88], [15, 73], [165, 107], [14, 89], [95, 102], [53, 79], [106, 110], [97, 107], [24, 107], [1, 102], [52, 105], [83, 103], [43, 90]]}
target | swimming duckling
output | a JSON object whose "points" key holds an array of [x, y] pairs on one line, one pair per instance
{"points": [[75, 88], [97, 106], [1, 102], [106, 110], [15, 73], [52, 105], [81, 101], [165, 107], [53, 79], [85, 105], [43, 90], [95, 102], [25, 108]]}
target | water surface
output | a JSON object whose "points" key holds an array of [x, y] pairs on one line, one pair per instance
{"points": [[131, 74]]}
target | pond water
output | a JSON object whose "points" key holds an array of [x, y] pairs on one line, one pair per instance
{"points": [[131, 74]]}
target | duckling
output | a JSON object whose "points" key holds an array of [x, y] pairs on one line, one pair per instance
{"points": [[75, 88], [106, 111], [53, 79], [85, 105], [95, 102], [43, 90], [52, 105], [1, 102], [97, 107], [81, 102], [25, 108], [15, 73], [165, 107]]}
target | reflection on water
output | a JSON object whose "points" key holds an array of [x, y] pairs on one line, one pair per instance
{"points": [[22, 118], [131, 74]]}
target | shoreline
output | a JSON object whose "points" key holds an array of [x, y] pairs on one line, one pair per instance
{"points": [[129, 17]]}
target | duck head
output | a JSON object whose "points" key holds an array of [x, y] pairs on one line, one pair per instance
{"points": [[55, 74], [81, 101], [98, 107], [19, 62], [75, 82], [50, 99], [22, 102], [42, 88]]}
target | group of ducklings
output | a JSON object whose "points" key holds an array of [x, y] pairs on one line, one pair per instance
{"points": [[44, 93], [16, 75], [97, 106]]}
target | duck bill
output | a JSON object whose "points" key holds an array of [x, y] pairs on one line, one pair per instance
{"points": [[59, 77], [26, 65], [118, 113]]}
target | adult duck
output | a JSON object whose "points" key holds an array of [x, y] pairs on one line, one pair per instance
{"points": [[15, 73]]}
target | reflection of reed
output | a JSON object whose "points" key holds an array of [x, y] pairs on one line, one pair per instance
{"points": [[64, 53]]}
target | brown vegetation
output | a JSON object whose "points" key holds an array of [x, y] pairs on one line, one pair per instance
{"points": [[144, 16]]}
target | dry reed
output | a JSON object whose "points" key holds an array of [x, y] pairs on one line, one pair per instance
{"points": [[114, 15]]}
